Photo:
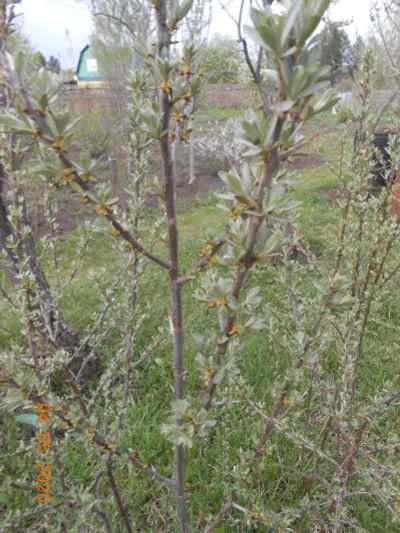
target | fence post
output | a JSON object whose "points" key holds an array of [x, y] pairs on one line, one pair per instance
{"points": [[115, 182]]}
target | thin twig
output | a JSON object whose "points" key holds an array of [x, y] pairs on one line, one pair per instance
{"points": [[116, 19], [222, 512], [203, 262], [117, 496], [105, 518]]}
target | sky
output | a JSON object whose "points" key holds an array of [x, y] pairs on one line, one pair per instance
{"points": [[46, 23], [351, 10], [62, 27]]}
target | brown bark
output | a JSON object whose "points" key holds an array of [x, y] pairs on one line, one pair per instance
{"points": [[164, 42]]}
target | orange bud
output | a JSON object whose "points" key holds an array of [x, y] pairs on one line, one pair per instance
{"points": [[236, 330]]}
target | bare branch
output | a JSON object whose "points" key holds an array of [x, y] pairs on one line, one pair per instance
{"points": [[222, 512], [116, 19], [117, 497]]}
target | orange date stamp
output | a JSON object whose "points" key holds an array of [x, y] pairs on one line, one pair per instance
{"points": [[43, 447]]}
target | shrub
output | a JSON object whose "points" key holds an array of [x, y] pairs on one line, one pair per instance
{"points": [[220, 61], [296, 451]]}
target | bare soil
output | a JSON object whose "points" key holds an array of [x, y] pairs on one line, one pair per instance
{"points": [[335, 194], [72, 212], [308, 161]]}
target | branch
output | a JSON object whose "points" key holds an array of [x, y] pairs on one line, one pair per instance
{"points": [[255, 71], [223, 511], [203, 262], [291, 298], [169, 174], [385, 403], [384, 107], [42, 509], [149, 351], [287, 153], [41, 123], [385, 43], [116, 19], [122, 231], [272, 164], [111, 217], [117, 497], [135, 244], [243, 41], [97, 439], [104, 517]]}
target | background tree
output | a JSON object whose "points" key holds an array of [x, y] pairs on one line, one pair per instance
{"points": [[53, 64], [357, 52], [195, 27], [39, 59], [337, 52], [116, 27], [221, 61], [385, 16]]}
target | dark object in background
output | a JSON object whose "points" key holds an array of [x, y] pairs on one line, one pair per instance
{"points": [[381, 160]]}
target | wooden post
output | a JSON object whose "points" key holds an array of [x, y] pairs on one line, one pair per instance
{"points": [[114, 176], [116, 183], [192, 161]]}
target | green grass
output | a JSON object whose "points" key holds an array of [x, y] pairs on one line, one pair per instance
{"points": [[262, 363], [218, 113]]}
